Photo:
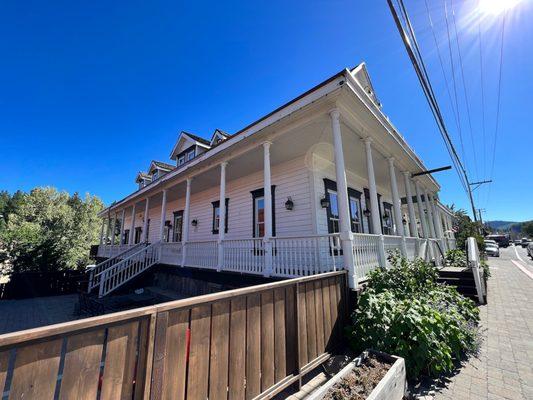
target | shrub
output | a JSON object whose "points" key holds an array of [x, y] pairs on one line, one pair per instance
{"points": [[456, 258], [405, 312]]}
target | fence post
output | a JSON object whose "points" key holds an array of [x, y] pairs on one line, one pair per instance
{"points": [[267, 244], [381, 250]]}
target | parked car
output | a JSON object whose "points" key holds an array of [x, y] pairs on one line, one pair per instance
{"points": [[489, 241], [524, 242], [530, 249], [517, 242], [502, 240], [492, 249]]}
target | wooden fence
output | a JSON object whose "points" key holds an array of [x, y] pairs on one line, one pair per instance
{"points": [[36, 284], [239, 344]]}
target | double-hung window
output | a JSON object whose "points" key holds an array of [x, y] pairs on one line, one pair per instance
{"points": [[178, 227], [259, 212], [190, 155], [216, 216]]}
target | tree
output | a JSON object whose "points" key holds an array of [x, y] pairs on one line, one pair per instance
{"points": [[46, 230], [466, 228], [527, 228]]}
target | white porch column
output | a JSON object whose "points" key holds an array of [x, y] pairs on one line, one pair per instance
{"points": [[163, 214], [122, 220], [108, 227], [432, 229], [114, 229], [267, 188], [146, 218], [374, 205], [395, 198], [342, 195], [425, 230], [396, 203], [222, 216], [102, 229], [186, 213], [410, 207], [132, 227]]}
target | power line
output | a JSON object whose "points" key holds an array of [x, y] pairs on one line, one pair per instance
{"points": [[498, 103], [482, 91], [418, 63], [464, 89]]}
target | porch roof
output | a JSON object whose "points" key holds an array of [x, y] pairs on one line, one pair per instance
{"points": [[322, 90]]}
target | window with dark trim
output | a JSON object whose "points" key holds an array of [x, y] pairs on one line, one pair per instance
{"points": [[137, 235], [216, 216], [125, 236], [387, 219], [354, 202], [368, 207], [177, 228], [258, 215]]}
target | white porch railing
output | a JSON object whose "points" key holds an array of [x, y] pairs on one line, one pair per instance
{"points": [[109, 251], [391, 243], [202, 254], [244, 255], [366, 253], [171, 253], [306, 255], [411, 246]]}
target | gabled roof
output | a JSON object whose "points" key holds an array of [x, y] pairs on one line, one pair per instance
{"points": [[191, 137], [218, 133], [160, 165], [360, 73], [142, 176]]}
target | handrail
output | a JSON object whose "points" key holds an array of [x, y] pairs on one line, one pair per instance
{"points": [[95, 271]]}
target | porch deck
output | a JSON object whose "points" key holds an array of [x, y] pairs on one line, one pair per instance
{"points": [[284, 257]]}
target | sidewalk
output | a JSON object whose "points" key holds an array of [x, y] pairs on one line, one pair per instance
{"points": [[504, 366]]}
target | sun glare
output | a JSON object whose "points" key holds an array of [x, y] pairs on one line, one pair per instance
{"points": [[496, 7]]}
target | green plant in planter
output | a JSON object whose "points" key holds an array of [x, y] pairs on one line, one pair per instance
{"points": [[405, 312]]}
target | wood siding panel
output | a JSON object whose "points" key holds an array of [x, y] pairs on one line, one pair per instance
{"points": [[319, 315], [4, 365], [35, 372], [253, 346], [220, 334], [120, 362], [302, 327], [237, 361], [81, 371], [291, 330], [175, 367], [267, 340], [280, 335], [197, 384], [311, 321]]}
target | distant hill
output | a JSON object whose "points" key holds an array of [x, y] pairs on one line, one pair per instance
{"points": [[513, 226]]}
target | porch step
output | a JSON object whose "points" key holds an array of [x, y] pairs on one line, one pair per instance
{"points": [[462, 280]]}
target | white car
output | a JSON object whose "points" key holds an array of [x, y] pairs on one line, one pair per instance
{"points": [[492, 249], [492, 242]]}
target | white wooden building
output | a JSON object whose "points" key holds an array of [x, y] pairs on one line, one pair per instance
{"points": [[321, 183]]}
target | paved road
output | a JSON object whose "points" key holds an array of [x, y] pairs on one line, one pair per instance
{"points": [[504, 367]]}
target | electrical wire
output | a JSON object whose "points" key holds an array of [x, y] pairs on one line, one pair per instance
{"points": [[467, 103], [409, 40]]}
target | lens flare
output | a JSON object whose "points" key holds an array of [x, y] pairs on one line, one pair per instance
{"points": [[496, 7]]}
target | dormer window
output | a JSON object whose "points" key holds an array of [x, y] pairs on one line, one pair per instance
{"points": [[181, 160], [190, 155], [155, 175]]}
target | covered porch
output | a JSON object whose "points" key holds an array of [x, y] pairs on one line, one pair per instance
{"points": [[318, 189]]}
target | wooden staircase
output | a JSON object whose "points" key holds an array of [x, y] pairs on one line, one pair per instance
{"points": [[120, 271], [462, 279]]}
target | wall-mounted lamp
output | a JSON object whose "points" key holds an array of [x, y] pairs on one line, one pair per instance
{"points": [[289, 204], [367, 212], [194, 222], [324, 202]]}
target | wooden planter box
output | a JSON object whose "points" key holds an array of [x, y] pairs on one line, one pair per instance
{"points": [[391, 387]]}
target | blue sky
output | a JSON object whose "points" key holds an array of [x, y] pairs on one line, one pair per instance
{"points": [[90, 93]]}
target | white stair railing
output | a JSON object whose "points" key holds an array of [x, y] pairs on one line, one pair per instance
{"points": [[95, 273], [126, 269], [474, 261]]}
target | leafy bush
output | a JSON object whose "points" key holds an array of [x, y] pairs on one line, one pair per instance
{"points": [[405, 312], [456, 258]]}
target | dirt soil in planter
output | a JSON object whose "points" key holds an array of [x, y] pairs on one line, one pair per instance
{"points": [[360, 382]]}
